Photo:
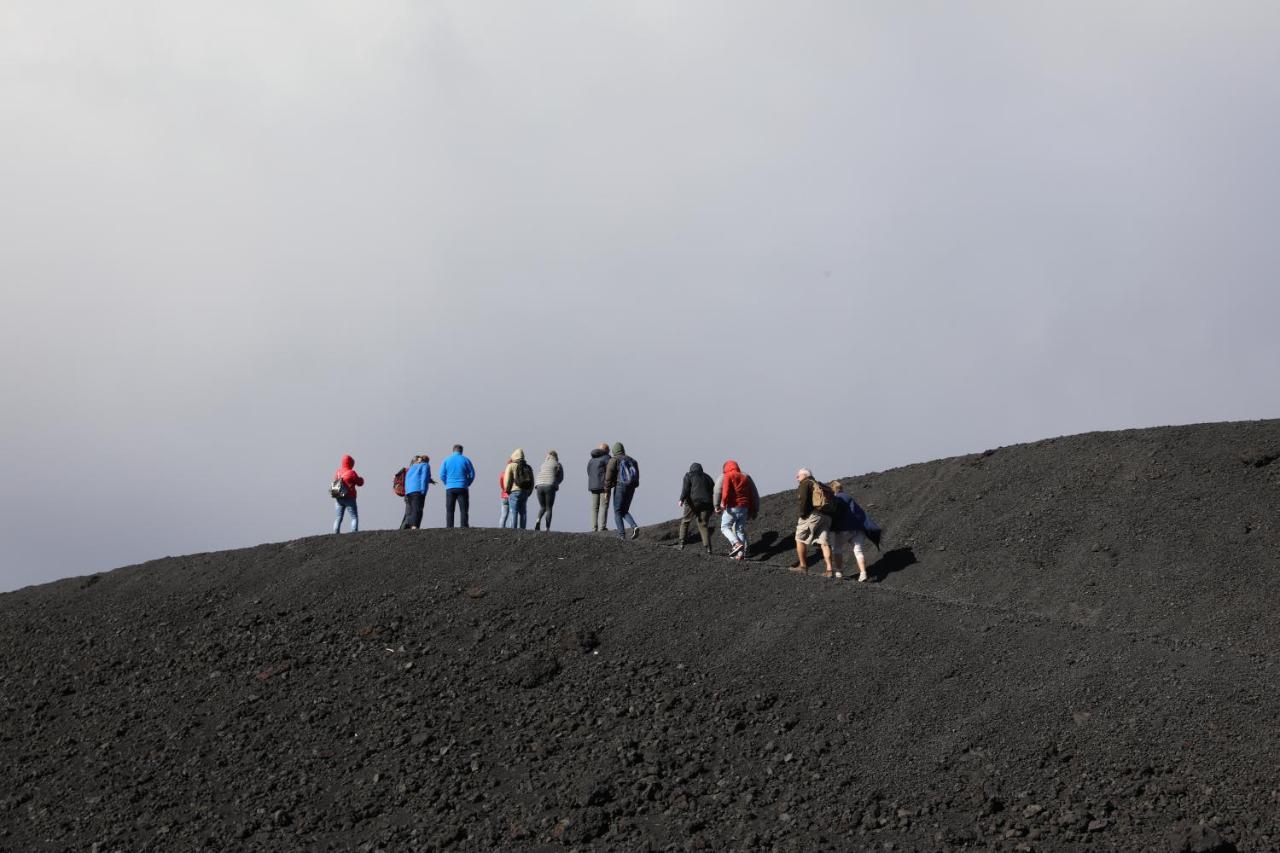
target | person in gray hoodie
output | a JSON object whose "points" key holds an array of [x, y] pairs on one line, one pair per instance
{"points": [[599, 491], [547, 483]]}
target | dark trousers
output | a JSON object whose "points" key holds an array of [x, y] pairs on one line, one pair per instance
{"points": [[546, 502], [413, 504], [459, 498]]}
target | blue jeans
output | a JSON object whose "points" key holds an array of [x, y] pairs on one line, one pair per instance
{"points": [[341, 506], [503, 511], [622, 496], [517, 516], [733, 524]]}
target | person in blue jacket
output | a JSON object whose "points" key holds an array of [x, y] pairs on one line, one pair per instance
{"points": [[416, 481], [457, 474]]}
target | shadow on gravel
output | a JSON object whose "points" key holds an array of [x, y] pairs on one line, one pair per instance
{"points": [[890, 562], [769, 545]]}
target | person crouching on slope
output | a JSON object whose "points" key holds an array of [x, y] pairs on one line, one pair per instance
{"points": [[813, 511], [599, 491], [416, 482], [623, 476], [345, 480], [848, 531], [518, 481], [550, 476], [697, 501], [741, 503]]}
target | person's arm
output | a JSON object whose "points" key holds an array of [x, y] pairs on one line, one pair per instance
{"points": [[636, 483], [471, 473], [559, 474], [611, 472], [684, 489], [804, 495]]}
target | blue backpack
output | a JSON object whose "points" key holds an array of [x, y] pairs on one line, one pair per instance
{"points": [[628, 473]]}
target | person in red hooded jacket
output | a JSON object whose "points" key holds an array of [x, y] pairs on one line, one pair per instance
{"points": [[741, 502], [346, 474]]}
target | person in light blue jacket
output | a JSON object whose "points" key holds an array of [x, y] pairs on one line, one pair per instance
{"points": [[416, 482], [457, 474]]}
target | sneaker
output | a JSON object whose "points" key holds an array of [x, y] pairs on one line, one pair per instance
{"points": [[736, 549], [679, 546], [635, 533], [537, 525]]}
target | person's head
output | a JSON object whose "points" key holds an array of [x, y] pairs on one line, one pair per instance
{"points": [[803, 474], [457, 448], [348, 461], [695, 468], [836, 486], [517, 455], [551, 454], [604, 445], [730, 465], [618, 449]]}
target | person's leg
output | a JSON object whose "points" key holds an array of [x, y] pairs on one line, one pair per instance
{"points": [[464, 504], [524, 510], [551, 503], [338, 510], [618, 512], [726, 526], [511, 510], [450, 501], [595, 511], [704, 517], [355, 517], [503, 512], [858, 539], [419, 506], [542, 506], [606, 500]]}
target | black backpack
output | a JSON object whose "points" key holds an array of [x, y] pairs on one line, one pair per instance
{"points": [[524, 475]]}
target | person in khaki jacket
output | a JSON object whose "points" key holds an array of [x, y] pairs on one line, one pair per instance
{"points": [[518, 482], [814, 506]]}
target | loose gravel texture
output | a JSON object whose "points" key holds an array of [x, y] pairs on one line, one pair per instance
{"points": [[484, 689]]}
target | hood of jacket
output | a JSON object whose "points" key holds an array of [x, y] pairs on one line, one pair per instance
{"points": [[618, 449], [598, 452], [347, 462], [731, 467], [695, 468], [517, 455]]}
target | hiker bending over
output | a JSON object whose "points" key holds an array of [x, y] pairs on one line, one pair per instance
{"points": [[550, 476], [623, 476], [343, 490], [518, 481], [814, 505], [741, 502], [416, 482], [849, 530], [457, 473], [599, 491], [697, 500]]}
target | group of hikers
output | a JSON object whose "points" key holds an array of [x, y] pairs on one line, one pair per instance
{"points": [[827, 517]]}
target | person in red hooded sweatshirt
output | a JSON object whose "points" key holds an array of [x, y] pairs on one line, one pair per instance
{"points": [[741, 502], [347, 476]]}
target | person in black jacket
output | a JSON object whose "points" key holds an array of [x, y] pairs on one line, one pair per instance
{"points": [[599, 491], [697, 501]]}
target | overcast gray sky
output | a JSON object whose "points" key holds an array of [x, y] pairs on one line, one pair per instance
{"points": [[239, 239]]}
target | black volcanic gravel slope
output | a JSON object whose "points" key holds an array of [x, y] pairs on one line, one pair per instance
{"points": [[482, 689], [1170, 532]]}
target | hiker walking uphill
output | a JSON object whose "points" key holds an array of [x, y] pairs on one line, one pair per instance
{"points": [[741, 502], [457, 474], [343, 491], [623, 476], [599, 491], [550, 476], [416, 481], [518, 480], [814, 506], [697, 501]]}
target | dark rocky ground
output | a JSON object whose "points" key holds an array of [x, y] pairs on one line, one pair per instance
{"points": [[1071, 645]]}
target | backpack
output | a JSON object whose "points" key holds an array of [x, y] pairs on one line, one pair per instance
{"points": [[628, 473], [338, 488], [524, 476], [397, 482], [823, 498]]}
